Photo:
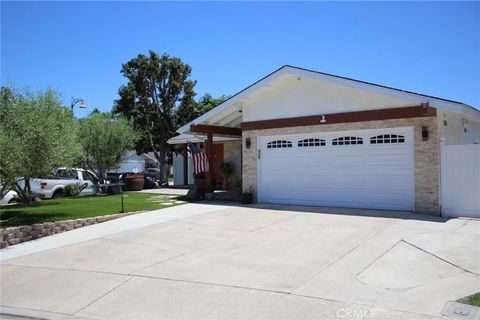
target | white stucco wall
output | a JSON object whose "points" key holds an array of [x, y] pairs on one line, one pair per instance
{"points": [[288, 97], [455, 131]]}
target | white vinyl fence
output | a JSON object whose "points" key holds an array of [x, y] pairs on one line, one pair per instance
{"points": [[178, 170], [460, 177]]}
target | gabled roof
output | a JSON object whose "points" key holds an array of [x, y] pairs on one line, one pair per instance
{"points": [[145, 156], [446, 104]]}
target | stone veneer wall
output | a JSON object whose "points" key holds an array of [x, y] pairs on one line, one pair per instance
{"points": [[232, 152], [15, 235], [426, 155]]}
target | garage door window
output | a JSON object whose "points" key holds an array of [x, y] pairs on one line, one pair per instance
{"points": [[311, 142], [347, 141], [279, 144], [387, 138]]}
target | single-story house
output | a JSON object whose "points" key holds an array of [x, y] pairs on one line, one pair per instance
{"points": [[133, 162], [304, 137]]}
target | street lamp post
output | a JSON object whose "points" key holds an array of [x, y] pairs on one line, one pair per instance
{"points": [[77, 100]]}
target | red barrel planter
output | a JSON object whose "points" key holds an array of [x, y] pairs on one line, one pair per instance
{"points": [[134, 182]]}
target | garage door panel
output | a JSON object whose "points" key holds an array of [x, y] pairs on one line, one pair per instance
{"points": [[376, 176]]}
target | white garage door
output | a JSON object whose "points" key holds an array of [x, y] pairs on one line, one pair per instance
{"points": [[356, 169]]}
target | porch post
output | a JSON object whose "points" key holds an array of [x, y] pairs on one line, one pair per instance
{"points": [[185, 164], [209, 175]]}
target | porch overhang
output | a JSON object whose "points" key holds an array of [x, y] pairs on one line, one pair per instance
{"points": [[198, 137], [218, 130], [208, 134]]}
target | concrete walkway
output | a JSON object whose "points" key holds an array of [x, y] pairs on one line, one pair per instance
{"points": [[170, 191], [212, 261]]}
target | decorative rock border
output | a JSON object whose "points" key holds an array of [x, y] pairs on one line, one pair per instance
{"points": [[14, 235]]}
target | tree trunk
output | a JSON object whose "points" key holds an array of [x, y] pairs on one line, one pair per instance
{"points": [[24, 194], [28, 190], [96, 180], [162, 159]]}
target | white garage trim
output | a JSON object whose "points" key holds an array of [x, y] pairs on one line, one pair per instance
{"points": [[362, 169]]}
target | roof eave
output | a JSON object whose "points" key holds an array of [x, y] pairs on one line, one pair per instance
{"points": [[417, 98]]}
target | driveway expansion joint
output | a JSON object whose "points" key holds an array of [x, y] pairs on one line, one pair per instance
{"points": [[338, 259], [439, 258], [105, 294]]}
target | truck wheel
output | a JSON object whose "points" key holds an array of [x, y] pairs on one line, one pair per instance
{"points": [[58, 194]]}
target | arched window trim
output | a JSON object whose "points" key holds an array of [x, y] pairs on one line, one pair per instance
{"points": [[276, 144], [311, 142], [347, 140], [387, 138]]}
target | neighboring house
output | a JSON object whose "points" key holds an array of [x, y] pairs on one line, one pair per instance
{"points": [[133, 162], [305, 137]]}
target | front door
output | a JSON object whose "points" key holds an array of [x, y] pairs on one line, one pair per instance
{"points": [[217, 160]]}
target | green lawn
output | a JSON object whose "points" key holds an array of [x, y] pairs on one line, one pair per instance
{"points": [[473, 300], [82, 207]]}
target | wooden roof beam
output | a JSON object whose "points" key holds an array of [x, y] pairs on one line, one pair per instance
{"points": [[203, 128]]}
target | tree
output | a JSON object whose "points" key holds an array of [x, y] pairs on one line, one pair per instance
{"points": [[191, 109], [156, 86], [105, 139], [37, 134]]}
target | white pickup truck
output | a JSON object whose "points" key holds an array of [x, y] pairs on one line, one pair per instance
{"points": [[54, 187]]}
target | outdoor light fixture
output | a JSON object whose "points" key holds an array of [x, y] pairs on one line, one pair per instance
{"points": [[464, 123], [425, 133], [247, 143], [83, 105], [323, 120]]}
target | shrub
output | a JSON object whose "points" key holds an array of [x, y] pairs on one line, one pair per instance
{"points": [[72, 190], [237, 183], [226, 169]]}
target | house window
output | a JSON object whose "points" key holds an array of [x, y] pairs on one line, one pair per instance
{"points": [[387, 138], [347, 141], [311, 142], [279, 144]]}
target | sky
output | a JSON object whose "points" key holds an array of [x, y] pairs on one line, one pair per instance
{"points": [[78, 48]]}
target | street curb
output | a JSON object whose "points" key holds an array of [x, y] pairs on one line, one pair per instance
{"points": [[37, 314]]}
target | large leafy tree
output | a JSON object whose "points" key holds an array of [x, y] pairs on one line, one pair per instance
{"points": [[191, 109], [105, 140], [37, 134], [157, 86]]}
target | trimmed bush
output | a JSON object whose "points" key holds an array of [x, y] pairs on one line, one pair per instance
{"points": [[72, 190]]}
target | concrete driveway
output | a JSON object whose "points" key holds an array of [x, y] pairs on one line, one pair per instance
{"points": [[215, 261]]}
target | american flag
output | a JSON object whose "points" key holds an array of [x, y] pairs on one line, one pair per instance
{"points": [[200, 160]]}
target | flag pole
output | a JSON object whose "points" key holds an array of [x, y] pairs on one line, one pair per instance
{"points": [[185, 164]]}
